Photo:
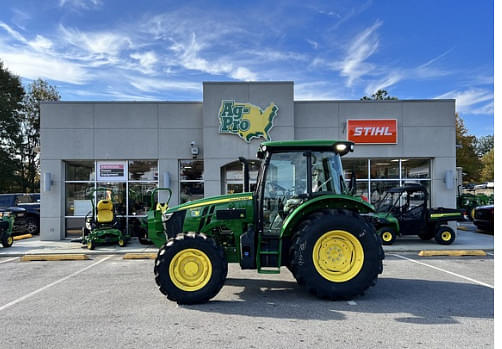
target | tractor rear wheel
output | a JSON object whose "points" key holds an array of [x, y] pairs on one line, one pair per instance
{"points": [[190, 268], [444, 235], [336, 254]]}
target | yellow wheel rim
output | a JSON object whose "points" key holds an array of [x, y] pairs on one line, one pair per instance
{"points": [[190, 270], [338, 256], [10, 240], [121, 243], [446, 236], [386, 236], [89, 244]]}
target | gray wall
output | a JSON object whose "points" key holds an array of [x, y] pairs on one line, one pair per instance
{"points": [[164, 130], [111, 131]]}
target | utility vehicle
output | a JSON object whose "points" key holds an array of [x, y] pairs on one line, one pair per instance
{"points": [[152, 223], [101, 223], [7, 218], [403, 211], [301, 215]]}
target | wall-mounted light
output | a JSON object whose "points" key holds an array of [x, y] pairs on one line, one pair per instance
{"points": [[194, 149], [48, 182]]}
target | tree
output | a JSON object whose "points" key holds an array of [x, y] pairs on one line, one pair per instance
{"points": [[466, 152], [29, 145], [380, 95], [484, 144], [11, 96], [487, 172]]}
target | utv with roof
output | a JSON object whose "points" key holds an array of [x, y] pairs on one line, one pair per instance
{"points": [[403, 211], [301, 216]]}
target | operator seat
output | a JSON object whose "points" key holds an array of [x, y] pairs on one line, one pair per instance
{"points": [[104, 212]]}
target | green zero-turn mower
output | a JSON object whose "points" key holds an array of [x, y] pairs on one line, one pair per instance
{"points": [[301, 216], [7, 217], [101, 224], [152, 224], [403, 211]]}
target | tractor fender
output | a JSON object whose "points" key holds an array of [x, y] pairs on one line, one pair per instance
{"points": [[321, 202]]}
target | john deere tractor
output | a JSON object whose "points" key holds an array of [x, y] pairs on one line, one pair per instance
{"points": [[301, 215]]}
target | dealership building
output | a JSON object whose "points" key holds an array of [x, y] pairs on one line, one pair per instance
{"points": [[193, 147]]}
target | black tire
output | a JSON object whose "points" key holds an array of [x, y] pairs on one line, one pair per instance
{"points": [[91, 245], [215, 280], [313, 229], [387, 235], [122, 242], [426, 236], [32, 226], [7, 240], [445, 235]]}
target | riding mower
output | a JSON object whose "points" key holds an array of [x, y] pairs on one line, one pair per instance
{"points": [[403, 211], [101, 224], [152, 224], [7, 217], [301, 216]]}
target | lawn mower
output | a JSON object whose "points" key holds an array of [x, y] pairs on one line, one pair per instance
{"points": [[7, 217], [403, 211], [302, 215], [152, 224], [101, 224]]}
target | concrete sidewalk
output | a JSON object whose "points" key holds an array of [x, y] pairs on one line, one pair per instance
{"points": [[466, 240]]}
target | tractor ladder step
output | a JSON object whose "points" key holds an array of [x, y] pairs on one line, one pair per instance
{"points": [[268, 258]]}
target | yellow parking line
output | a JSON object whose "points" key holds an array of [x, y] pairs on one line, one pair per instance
{"points": [[54, 257], [453, 253], [145, 255], [461, 227], [21, 237]]}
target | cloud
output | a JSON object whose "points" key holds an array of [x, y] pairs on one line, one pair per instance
{"points": [[146, 60], [81, 4], [40, 43], [381, 84], [364, 45], [157, 85], [317, 90], [16, 35], [471, 100]]}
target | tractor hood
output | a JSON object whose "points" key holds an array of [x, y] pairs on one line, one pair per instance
{"points": [[214, 200]]}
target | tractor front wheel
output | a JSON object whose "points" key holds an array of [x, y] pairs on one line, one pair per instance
{"points": [[445, 235], [387, 235], [7, 240], [336, 254], [190, 268]]}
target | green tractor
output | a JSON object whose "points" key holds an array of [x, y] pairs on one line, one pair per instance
{"points": [[403, 211], [301, 215], [101, 223], [7, 217]]}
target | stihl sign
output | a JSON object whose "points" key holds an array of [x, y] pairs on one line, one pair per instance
{"points": [[372, 131]]}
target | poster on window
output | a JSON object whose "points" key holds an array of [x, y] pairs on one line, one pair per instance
{"points": [[112, 171]]}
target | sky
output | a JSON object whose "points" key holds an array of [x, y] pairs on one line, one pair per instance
{"points": [[95, 50]]}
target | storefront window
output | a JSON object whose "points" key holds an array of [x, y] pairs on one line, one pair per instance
{"points": [[140, 197], [191, 180], [80, 171], [116, 193], [378, 189], [233, 176], [359, 166], [384, 168], [77, 202], [143, 170], [416, 168]]}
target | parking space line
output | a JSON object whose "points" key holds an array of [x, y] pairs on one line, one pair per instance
{"points": [[443, 270], [491, 254], [9, 260], [20, 299]]}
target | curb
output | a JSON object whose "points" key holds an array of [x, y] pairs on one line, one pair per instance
{"points": [[145, 255], [88, 253], [21, 237], [453, 253], [53, 257]]}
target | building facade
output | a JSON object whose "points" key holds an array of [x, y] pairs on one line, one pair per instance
{"points": [[193, 147]]}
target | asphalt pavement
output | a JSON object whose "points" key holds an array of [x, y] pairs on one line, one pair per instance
{"points": [[108, 302]]}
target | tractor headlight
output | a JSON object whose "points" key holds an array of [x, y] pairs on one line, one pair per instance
{"points": [[88, 225], [341, 147]]}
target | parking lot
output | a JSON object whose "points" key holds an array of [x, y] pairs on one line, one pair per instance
{"points": [[418, 302]]}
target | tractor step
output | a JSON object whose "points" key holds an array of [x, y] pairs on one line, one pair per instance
{"points": [[268, 259]]}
